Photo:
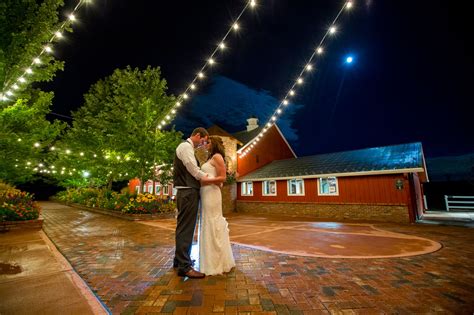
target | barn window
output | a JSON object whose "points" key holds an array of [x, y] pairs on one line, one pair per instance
{"points": [[328, 186], [150, 188], [247, 189], [166, 190], [269, 188], [157, 189], [296, 187]]}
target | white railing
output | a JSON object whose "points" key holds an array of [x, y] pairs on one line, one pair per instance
{"points": [[459, 202]]}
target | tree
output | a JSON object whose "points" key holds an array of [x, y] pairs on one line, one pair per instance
{"points": [[25, 137], [25, 27], [114, 134]]}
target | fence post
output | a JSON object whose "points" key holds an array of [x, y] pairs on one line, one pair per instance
{"points": [[446, 202]]}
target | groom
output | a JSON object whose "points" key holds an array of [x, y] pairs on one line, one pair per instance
{"points": [[186, 177]]}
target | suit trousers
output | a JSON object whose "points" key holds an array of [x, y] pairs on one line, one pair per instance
{"points": [[188, 204]]}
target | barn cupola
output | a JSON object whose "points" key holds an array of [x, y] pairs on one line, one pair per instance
{"points": [[252, 123]]}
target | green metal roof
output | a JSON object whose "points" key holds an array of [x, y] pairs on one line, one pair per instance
{"points": [[389, 159]]}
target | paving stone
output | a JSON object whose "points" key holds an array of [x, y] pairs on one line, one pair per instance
{"points": [[129, 266]]}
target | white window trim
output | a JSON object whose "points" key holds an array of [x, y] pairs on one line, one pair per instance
{"points": [[288, 187], [150, 189], [328, 194], [166, 190], [242, 189], [157, 189], [263, 188]]}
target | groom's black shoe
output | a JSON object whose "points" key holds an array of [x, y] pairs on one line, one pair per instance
{"points": [[191, 273], [175, 265]]}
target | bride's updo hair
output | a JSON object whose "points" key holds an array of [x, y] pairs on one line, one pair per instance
{"points": [[217, 146]]}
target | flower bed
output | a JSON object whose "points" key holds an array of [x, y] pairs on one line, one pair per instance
{"points": [[18, 210], [16, 205], [123, 203]]}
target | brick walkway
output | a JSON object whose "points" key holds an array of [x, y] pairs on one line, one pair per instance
{"points": [[129, 266]]}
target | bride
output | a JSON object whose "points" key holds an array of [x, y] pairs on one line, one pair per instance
{"points": [[215, 252]]}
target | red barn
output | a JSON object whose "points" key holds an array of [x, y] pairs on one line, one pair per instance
{"points": [[376, 184]]}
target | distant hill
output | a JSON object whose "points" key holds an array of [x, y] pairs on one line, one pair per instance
{"points": [[451, 168]]}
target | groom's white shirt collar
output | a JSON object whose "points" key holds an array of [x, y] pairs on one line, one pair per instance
{"points": [[190, 141]]}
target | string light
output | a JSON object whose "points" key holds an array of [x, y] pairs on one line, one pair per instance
{"points": [[41, 165], [308, 67], [210, 61], [6, 94]]}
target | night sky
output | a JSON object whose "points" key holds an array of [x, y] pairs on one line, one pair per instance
{"points": [[412, 78]]}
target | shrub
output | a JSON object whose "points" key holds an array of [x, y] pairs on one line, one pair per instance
{"points": [[230, 178], [144, 203], [16, 205], [123, 202]]}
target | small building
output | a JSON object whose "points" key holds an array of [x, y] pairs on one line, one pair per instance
{"points": [[152, 187]]}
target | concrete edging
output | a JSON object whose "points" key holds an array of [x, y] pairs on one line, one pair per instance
{"points": [[129, 217]]}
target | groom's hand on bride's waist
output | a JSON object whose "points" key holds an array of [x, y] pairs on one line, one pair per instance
{"points": [[204, 180]]}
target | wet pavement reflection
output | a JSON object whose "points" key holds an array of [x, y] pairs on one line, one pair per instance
{"points": [[129, 266], [9, 269]]}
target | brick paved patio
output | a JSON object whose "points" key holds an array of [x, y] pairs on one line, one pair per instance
{"points": [[129, 266]]}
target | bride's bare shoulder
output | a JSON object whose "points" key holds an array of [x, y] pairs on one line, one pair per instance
{"points": [[218, 158]]}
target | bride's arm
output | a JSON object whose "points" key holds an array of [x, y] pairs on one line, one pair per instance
{"points": [[219, 164]]}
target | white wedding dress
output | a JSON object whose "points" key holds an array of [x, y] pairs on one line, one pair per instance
{"points": [[215, 252]]}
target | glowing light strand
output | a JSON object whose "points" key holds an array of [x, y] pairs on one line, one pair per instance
{"points": [[308, 67], [200, 75], [10, 90]]}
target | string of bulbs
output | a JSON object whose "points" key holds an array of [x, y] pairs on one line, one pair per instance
{"points": [[308, 67], [201, 74], [21, 80], [10, 90]]}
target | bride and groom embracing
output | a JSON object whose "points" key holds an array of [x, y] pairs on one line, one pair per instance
{"points": [[194, 184]]}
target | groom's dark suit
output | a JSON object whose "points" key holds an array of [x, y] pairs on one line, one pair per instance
{"points": [[187, 202]]}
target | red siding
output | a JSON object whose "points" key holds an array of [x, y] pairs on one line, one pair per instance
{"points": [[270, 148], [355, 189], [132, 184]]}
